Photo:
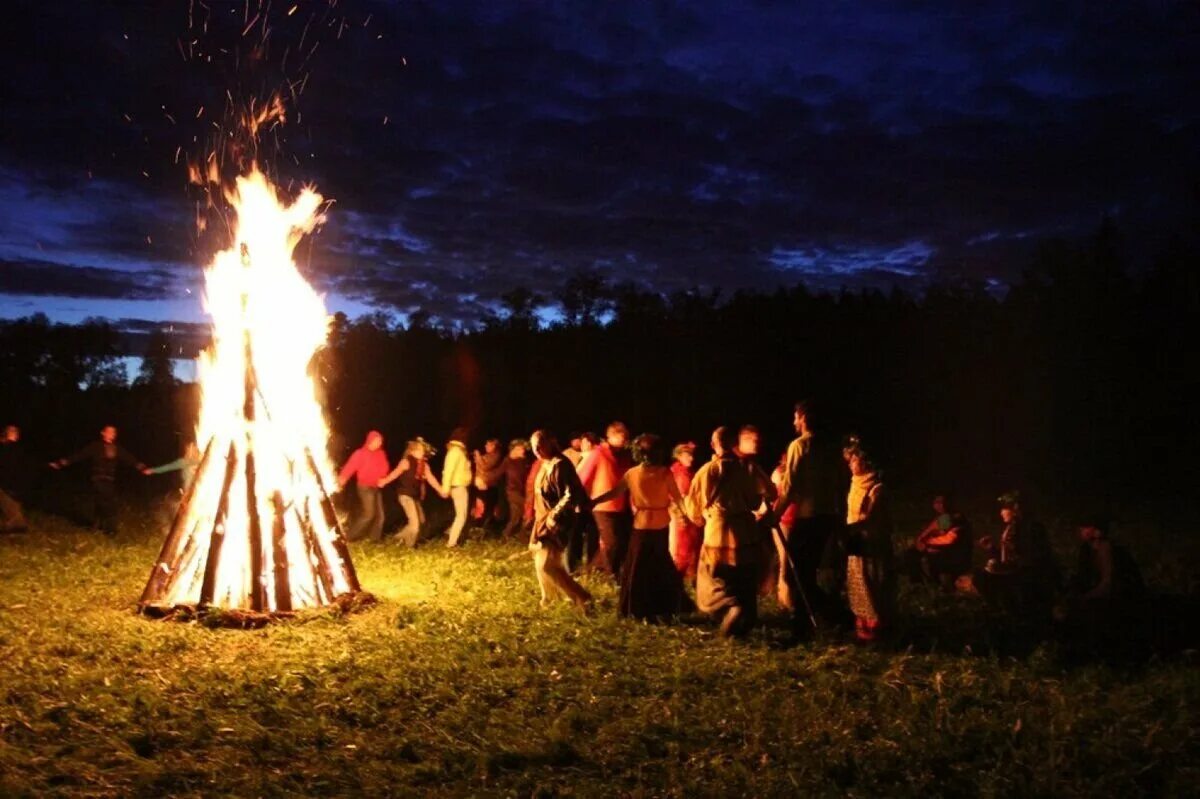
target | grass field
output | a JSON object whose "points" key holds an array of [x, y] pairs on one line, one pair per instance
{"points": [[456, 684]]}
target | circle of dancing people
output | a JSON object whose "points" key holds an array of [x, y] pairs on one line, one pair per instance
{"points": [[815, 530]]}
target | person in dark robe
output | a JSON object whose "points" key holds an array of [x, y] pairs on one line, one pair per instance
{"points": [[651, 588], [722, 499], [104, 456], [941, 552], [486, 491], [512, 473], [1020, 575], [558, 500]]}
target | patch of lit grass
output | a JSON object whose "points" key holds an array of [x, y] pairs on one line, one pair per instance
{"points": [[456, 683]]}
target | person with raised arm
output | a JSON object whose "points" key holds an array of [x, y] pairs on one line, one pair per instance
{"points": [[104, 455]]}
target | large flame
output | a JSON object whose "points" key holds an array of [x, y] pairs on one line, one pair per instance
{"points": [[256, 530]]}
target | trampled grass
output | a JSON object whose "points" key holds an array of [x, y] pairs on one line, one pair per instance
{"points": [[457, 684]]}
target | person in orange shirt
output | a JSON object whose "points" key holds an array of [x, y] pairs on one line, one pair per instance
{"points": [[651, 588], [600, 471]]}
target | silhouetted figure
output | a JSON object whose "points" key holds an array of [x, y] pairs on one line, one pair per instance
{"points": [[412, 474], [1105, 606], [558, 501], [104, 456], [942, 551], [14, 477], [685, 536], [651, 588], [870, 568], [512, 473], [487, 481], [367, 466], [722, 499], [1020, 575], [600, 471]]}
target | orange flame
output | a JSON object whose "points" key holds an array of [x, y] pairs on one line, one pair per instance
{"points": [[258, 501]]}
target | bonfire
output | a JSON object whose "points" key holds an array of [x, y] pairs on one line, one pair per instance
{"points": [[256, 533]]}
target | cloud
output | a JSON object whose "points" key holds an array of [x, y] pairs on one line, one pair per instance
{"points": [[473, 146], [47, 279]]}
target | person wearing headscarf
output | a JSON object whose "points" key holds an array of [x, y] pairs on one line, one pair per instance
{"points": [[412, 474], [367, 465], [722, 499], [651, 588], [870, 574], [558, 500], [685, 536]]}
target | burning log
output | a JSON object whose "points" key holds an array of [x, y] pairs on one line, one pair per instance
{"points": [[259, 406]]}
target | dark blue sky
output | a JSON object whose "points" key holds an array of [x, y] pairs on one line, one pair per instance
{"points": [[676, 144]]}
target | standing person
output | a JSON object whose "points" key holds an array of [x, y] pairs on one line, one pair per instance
{"points": [[685, 536], [487, 480], [870, 575], [368, 465], [104, 456], [747, 452], [14, 474], [186, 464], [558, 501], [456, 482], [807, 509], [722, 499], [651, 588], [513, 472], [585, 538], [600, 472], [412, 474]]}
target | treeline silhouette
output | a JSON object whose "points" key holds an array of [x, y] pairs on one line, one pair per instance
{"points": [[1074, 382]]}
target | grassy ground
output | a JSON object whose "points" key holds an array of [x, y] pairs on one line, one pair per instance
{"points": [[457, 684]]}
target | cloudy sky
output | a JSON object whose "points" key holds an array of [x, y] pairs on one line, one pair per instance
{"points": [[471, 147]]}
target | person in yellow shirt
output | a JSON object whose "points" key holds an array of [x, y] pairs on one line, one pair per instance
{"points": [[456, 481]]}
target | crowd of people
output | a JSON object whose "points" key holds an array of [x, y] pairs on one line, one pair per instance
{"points": [[816, 531]]}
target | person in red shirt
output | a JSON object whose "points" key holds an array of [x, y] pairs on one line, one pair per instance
{"points": [[600, 472], [368, 465], [685, 536]]}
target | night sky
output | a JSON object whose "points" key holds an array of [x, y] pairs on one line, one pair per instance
{"points": [[474, 146]]}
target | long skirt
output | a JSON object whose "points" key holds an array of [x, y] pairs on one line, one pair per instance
{"points": [[870, 588], [650, 586]]}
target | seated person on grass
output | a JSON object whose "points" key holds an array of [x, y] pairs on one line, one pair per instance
{"points": [[941, 552]]}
